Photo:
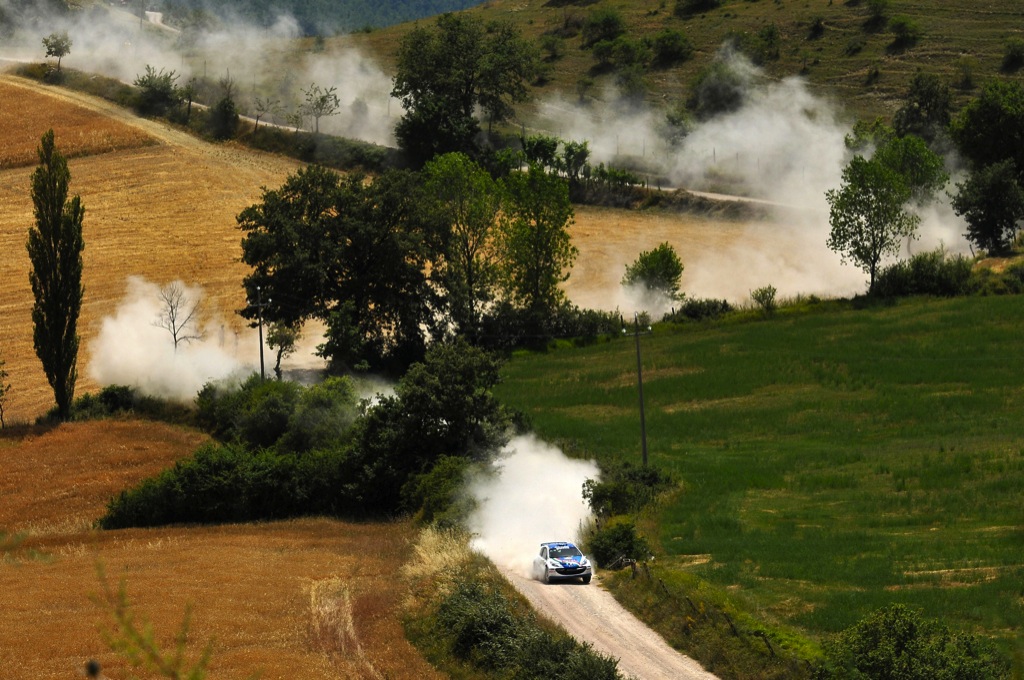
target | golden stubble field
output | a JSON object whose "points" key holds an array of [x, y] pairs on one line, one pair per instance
{"points": [[159, 204], [310, 598]]}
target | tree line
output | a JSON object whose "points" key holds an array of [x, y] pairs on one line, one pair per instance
{"points": [[898, 168]]}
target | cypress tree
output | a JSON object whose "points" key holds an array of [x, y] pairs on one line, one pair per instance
{"points": [[55, 247]]}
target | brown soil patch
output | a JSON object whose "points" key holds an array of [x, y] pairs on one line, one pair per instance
{"points": [[24, 117], [311, 598], [165, 211]]}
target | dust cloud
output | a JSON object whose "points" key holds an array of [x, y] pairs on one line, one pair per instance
{"points": [[260, 62], [784, 146], [535, 494], [132, 348]]}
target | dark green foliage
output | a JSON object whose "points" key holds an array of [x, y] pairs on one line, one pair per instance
{"points": [[671, 47], [55, 245], [906, 32], [228, 483], [926, 109], [699, 309], [1008, 282], [686, 8], [438, 496], [484, 626], [347, 252], [444, 74], [442, 407], [506, 327], [718, 89], [604, 24], [898, 644], [223, 120], [931, 273], [625, 489], [117, 400], [761, 47], [1013, 55], [991, 200], [658, 271], [534, 240], [158, 93], [256, 414], [616, 539], [990, 128]]}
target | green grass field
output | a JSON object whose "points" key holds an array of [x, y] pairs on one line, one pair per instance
{"points": [[832, 461]]}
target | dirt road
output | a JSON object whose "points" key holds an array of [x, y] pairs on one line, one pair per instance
{"points": [[590, 614]]}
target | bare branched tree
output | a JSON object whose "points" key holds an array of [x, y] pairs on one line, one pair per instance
{"points": [[179, 314]]}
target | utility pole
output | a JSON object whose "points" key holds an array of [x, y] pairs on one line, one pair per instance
{"points": [[640, 386], [259, 316]]}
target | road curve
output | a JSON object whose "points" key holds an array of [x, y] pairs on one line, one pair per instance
{"points": [[590, 614]]}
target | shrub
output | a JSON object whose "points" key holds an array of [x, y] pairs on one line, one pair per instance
{"points": [[896, 642], [223, 120], [617, 538], [764, 298], [658, 270], [625, 488], [686, 8], [437, 496], [230, 484], [930, 273], [906, 31], [157, 92], [604, 23], [1013, 55], [699, 309], [671, 47]]}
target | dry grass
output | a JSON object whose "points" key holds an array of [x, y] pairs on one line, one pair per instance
{"points": [[312, 598], [165, 211], [24, 117]]}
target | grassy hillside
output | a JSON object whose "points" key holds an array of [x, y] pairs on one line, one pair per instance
{"points": [[834, 45], [831, 461]]}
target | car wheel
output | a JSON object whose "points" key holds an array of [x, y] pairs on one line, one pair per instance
{"points": [[547, 576], [586, 579]]}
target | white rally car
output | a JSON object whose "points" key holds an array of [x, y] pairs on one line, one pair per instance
{"points": [[561, 560]]}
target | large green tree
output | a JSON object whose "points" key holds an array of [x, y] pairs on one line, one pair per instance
{"points": [[534, 241], [444, 74], [465, 202], [990, 128], [867, 214], [658, 271], [991, 200], [349, 252], [55, 246]]}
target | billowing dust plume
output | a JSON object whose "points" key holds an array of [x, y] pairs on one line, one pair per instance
{"points": [[535, 495], [133, 349]]}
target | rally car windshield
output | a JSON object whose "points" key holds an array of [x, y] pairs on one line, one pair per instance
{"points": [[565, 552]]}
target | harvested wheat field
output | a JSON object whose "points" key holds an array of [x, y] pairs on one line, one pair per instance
{"points": [[311, 598], [162, 207]]}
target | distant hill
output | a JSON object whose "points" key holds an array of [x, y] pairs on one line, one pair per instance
{"points": [[837, 46], [316, 17]]}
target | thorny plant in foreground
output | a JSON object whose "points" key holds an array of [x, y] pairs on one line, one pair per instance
{"points": [[134, 639]]}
